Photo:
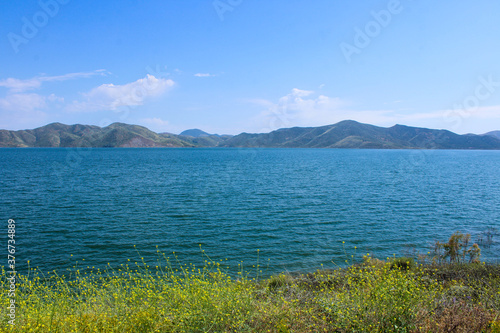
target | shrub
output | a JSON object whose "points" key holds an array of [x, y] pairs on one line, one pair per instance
{"points": [[381, 300], [459, 317], [279, 281], [403, 263], [457, 249]]}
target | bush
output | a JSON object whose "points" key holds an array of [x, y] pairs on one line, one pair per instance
{"points": [[457, 249], [459, 317], [403, 263]]}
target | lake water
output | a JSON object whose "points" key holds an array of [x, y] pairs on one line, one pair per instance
{"points": [[296, 206]]}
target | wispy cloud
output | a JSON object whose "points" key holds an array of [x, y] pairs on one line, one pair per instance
{"points": [[19, 85], [204, 75], [298, 108], [111, 97], [24, 110], [23, 102], [307, 108], [156, 124], [28, 102], [19, 107]]}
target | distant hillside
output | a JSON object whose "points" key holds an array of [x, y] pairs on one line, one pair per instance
{"points": [[345, 134], [351, 134], [196, 133], [202, 139], [495, 134], [114, 135]]}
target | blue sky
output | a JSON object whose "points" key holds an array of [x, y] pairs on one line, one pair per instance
{"points": [[231, 66]]}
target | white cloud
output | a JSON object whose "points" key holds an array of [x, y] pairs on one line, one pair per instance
{"points": [[18, 85], [155, 121], [298, 108], [22, 111], [27, 110], [476, 120], [23, 120], [298, 93], [22, 102], [203, 75], [155, 124], [482, 112], [54, 98], [111, 97], [305, 108]]}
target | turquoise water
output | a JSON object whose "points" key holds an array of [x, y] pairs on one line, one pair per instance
{"points": [[296, 206]]}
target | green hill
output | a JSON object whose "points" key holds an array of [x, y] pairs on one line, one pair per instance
{"points": [[345, 134], [351, 134], [114, 135], [495, 134]]}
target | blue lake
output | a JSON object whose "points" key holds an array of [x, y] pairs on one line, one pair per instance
{"points": [[296, 206]]}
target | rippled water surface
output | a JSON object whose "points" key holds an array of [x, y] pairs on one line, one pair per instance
{"points": [[296, 206]]}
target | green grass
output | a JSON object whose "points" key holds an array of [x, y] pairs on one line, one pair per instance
{"points": [[397, 295]]}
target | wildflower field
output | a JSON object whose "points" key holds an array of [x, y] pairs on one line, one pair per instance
{"points": [[393, 295]]}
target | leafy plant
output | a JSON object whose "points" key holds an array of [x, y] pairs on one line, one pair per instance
{"points": [[457, 249]]}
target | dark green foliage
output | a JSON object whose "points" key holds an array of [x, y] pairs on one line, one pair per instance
{"points": [[280, 281], [457, 249], [403, 263]]}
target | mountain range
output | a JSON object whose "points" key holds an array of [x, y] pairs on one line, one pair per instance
{"points": [[494, 133], [345, 134]]}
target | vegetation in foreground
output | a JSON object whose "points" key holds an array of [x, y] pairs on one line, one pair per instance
{"points": [[395, 295]]}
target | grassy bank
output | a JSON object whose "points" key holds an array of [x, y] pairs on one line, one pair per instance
{"points": [[396, 295]]}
